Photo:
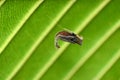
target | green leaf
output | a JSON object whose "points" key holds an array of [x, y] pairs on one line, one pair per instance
{"points": [[27, 32]]}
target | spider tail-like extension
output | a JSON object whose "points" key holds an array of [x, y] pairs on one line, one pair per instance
{"points": [[56, 42]]}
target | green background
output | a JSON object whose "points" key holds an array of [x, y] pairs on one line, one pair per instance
{"points": [[27, 32]]}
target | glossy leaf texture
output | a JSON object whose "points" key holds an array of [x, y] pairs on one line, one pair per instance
{"points": [[28, 29]]}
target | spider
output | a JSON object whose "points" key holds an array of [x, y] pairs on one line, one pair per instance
{"points": [[68, 37]]}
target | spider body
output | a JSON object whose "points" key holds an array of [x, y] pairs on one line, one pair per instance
{"points": [[68, 37]]}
